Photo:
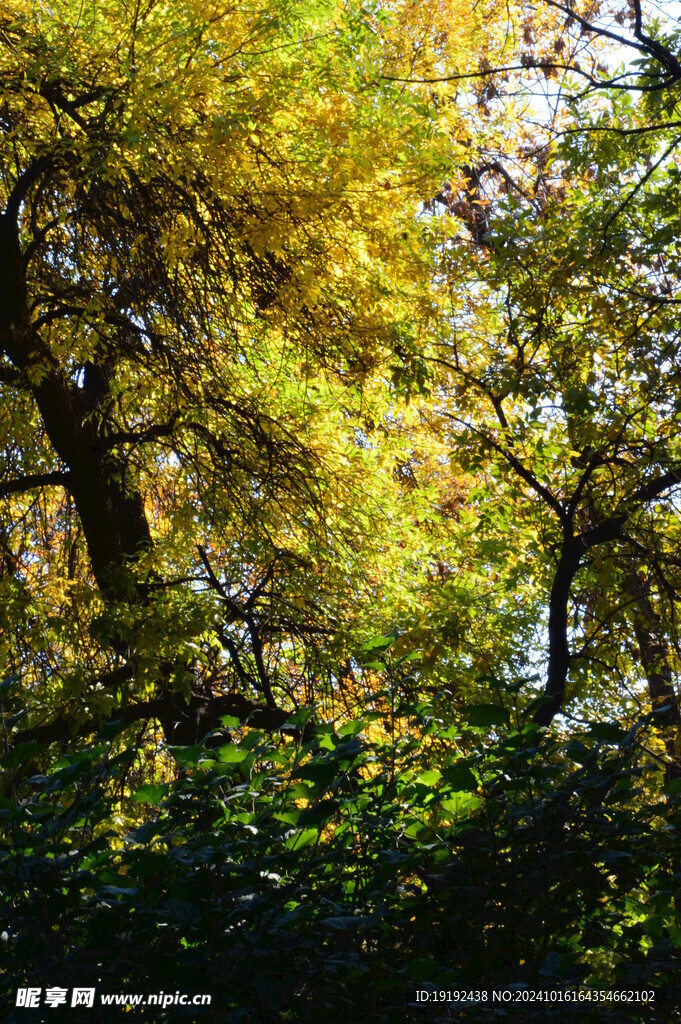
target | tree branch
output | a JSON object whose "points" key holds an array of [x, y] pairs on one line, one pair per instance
{"points": [[23, 184], [655, 488], [653, 46], [184, 723], [28, 482]]}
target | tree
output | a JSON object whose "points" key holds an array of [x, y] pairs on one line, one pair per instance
{"points": [[560, 373], [338, 455], [210, 261]]}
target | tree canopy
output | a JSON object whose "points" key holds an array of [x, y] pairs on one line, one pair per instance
{"points": [[339, 485]]}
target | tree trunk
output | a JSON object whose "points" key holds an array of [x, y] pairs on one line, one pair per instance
{"points": [[559, 649], [656, 662], [110, 510], [113, 518], [654, 652]]}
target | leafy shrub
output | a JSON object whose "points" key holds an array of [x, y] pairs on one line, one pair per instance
{"points": [[334, 879]]}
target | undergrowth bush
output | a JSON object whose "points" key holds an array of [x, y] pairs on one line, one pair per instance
{"points": [[337, 877]]}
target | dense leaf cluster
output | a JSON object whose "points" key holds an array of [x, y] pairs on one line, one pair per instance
{"points": [[340, 876], [318, 318]]}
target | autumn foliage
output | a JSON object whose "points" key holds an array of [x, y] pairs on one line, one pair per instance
{"points": [[339, 483]]}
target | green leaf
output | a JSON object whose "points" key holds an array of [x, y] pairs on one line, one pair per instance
{"points": [[607, 732], [306, 837], [352, 728], [189, 755], [230, 722], [380, 643], [460, 778], [231, 753], [484, 716], [150, 794], [20, 754]]}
